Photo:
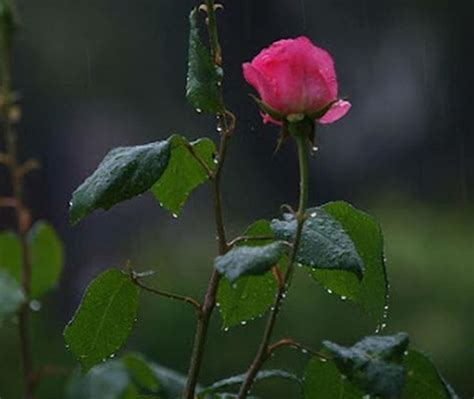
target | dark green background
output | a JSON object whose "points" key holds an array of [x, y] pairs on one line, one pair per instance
{"points": [[100, 73]]}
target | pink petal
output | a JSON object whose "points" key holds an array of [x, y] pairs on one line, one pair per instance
{"points": [[261, 84], [337, 111]]}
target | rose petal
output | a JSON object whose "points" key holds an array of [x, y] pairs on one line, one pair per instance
{"points": [[337, 111], [261, 84]]}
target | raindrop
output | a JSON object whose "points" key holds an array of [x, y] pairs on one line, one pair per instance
{"points": [[343, 298], [215, 160], [226, 329], [199, 110], [218, 304], [329, 291], [35, 305], [112, 355], [243, 322], [323, 360], [219, 129], [405, 353], [313, 215], [315, 149], [175, 215], [304, 351]]}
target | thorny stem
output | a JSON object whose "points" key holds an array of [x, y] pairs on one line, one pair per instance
{"points": [[16, 171], [209, 302], [264, 350]]}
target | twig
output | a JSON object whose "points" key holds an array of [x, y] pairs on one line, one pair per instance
{"points": [[7, 202], [10, 158], [289, 342], [240, 239], [166, 294]]}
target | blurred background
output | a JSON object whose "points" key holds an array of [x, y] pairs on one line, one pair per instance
{"points": [[96, 74]]}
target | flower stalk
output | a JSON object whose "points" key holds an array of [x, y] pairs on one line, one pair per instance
{"points": [[265, 349]]}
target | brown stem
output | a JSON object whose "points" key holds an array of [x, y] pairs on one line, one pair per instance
{"points": [[264, 351], [21, 211], [210, 296], [167, 294]]}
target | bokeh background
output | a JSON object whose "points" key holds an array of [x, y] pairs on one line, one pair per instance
{"points": [[95, 74]]}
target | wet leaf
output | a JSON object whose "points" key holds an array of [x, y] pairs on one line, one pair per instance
{"points": [[104, 319]]}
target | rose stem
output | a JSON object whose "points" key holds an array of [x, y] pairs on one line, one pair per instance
{"points": [[264, 350]]}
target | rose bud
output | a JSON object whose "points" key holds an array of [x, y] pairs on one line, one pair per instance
{"points": [[296, 81]]}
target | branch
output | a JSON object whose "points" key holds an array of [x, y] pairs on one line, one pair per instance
{"points": [[240, 239], [289, 342], [166, 294], [7, 202]]}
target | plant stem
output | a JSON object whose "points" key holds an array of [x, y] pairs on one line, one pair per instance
{"points": [[21, 211], [264, 350], [169, 295], [210, 296], [209, 302]]}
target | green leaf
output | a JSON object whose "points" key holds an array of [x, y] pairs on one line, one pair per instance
{"points": [[10, 254], [104, 318], [373, 364], [203, 90], [11, 296], [105, 381], [250, 296], [47, 258], [124, 173], [324, 243], [372, 292], [424, 380], [172, 383], [322, 380], [141, 372], [183, 173], [239, 379], [246, 260]]}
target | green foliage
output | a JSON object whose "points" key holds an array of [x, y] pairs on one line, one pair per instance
{"points": [[324, 243], [204, 77], [11, 296], [141, 372], [378, 366], [323, 380], [184, 173], [247, 260], [106, 381], [373, 364], [371, 293], [46, 257], [124, 173], [104, 318], [237, 380], [10, 254], [424, 380], [130, 377], [250, 296], [166, 167]]}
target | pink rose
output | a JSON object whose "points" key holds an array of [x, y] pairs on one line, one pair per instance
{"points": [[295, 78]]}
